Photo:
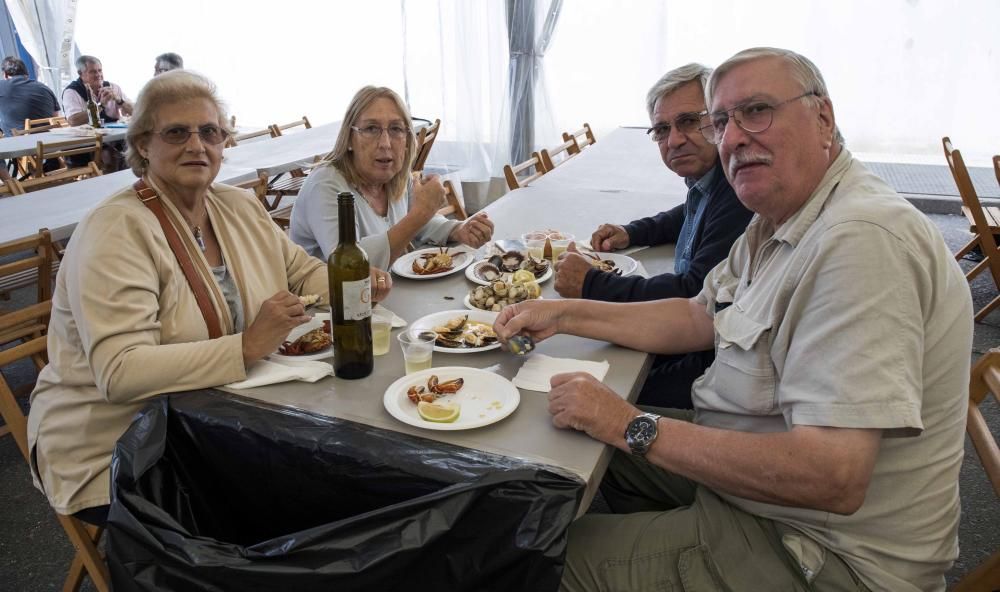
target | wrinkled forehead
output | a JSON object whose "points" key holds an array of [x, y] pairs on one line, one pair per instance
{"points": [[768, 78]]}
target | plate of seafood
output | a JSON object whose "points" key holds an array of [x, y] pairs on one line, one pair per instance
{"points": [[434, 262], [460, 331], [500, 293], [451, 398], [310, 341], [505, 266], [612, 262]]}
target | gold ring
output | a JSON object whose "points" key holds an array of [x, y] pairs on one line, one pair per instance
{"points": [[381, 280]]}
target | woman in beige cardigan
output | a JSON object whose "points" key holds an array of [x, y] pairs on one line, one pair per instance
{"points": [[126, 325]]}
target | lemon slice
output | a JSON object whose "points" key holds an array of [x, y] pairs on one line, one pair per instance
{"points": [[438, 412], [522, 276]]}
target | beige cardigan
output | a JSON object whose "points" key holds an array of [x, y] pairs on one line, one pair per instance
{"points": [[126, 327]]}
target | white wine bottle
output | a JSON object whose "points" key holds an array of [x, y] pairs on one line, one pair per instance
{"points": [[93, 115], [350, 288]]}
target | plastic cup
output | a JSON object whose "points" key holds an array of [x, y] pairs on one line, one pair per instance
{"points": [[418, 349], [560, 242], [381, 328], [534, 242]]}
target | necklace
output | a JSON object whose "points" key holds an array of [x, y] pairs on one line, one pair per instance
{"points": [[198, 238], [372, 204]]}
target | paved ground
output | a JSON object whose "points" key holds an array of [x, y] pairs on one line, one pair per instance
{"points": [[34, 552]]}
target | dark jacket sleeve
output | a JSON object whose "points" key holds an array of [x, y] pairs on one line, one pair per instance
{"points": [[725, 220], [661, 229]]}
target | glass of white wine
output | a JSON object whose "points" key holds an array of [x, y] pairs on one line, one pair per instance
{"points": [[381, 328], [418, 349]]}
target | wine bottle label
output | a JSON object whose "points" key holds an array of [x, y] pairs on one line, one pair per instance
{"points": [[357, 299]]}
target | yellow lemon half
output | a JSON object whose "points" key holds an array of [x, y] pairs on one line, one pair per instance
{"points": [[438, 412], [522, 276]]}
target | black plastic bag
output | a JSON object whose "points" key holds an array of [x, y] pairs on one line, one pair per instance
{"points": [[216, 492]]}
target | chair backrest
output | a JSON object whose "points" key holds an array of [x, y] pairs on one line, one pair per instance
{"points": [[235, 140], [560, 154], [258, 186], [454, 206], [970, 200], [45, 122], [8, 185], [63, 149], [60, 177], [425, 140], [511, 172], [996, 167], [277, 129], [35, 267], [583, 137]]}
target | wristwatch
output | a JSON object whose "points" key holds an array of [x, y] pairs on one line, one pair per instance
{"points": [[641, 433]]}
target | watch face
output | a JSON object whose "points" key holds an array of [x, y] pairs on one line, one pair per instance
{"points": [[641, 430]]}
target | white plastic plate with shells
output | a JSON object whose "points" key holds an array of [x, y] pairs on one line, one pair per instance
{"points": [[435, 261], [315, 323], [458, 336], [624, 263], [484, 398], [487, 271]]}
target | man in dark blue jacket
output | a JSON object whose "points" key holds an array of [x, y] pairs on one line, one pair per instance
{"points": [[704, 228]]}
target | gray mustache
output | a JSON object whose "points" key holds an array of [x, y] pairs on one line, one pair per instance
{"points": [[744, 158]]}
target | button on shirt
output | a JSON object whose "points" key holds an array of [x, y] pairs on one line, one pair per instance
{"points": [[851, 314]]}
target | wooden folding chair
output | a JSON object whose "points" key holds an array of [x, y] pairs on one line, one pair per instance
{"points": [[60, 177], [277, 129], [985, 381], [63, 149], [454, 206], [46, 123], [424, 143], [582, 138], [563, 152], [996, 167], [9, 185], [236, 139], [984, 233], [29, 258], [85, 538], [511, 172]]}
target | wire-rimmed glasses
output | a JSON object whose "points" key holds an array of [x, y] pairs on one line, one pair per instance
{"points": [[178, 134], [685, 123], [753, 117], [374, 132]]}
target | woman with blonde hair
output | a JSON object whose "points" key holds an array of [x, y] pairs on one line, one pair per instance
{"points": [[372, 159]]}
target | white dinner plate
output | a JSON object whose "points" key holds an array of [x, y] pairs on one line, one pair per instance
{"points": [[315, 323], [462, 256], [485, 398], [430, 321], [471, 275], [468, 303], [625, 263]]}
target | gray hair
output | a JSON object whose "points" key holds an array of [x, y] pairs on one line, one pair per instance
{"points": [[172, 59], [801, 68], [166, 89], [673, 80], [85, 60]]}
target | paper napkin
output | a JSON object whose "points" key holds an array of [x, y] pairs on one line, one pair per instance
{"points": [[538, 370], [266, 372]]}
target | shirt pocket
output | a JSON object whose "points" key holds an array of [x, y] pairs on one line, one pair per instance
{"points": [[744, 372]]}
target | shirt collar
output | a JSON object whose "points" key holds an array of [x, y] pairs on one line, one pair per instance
{"points": [[793, 229], [704, 183]]}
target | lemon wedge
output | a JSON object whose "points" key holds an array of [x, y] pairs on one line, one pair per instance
{"points": [[438, 412], [522, 276]]}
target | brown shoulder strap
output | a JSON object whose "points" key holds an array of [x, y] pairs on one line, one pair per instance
{"points": [[149, 197]]}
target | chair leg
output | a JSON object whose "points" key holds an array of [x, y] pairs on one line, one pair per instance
{"points": [[968, 247], [977, 269], [987, 309], [85, 539], [74, 579]]}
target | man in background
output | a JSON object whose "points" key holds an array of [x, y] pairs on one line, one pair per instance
{"points": [[167, 62], [22, 98], [112, 104]]}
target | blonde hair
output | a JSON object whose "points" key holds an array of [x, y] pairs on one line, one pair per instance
{"points": [[166, 89], [343, 159]]}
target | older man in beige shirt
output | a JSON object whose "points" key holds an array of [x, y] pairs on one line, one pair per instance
{"points": [[827, 436]]}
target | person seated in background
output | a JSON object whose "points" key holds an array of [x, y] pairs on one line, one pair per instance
{"points": [[126, 325], [371, 159], [112, 104], [166, 62], [21, 98], [826, 440], [704, 228]]}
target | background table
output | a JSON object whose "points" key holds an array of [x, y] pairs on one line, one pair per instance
{"points": [[15, 146]]}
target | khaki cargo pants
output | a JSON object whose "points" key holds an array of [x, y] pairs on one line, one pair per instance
{"points": [[669, 534]]}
